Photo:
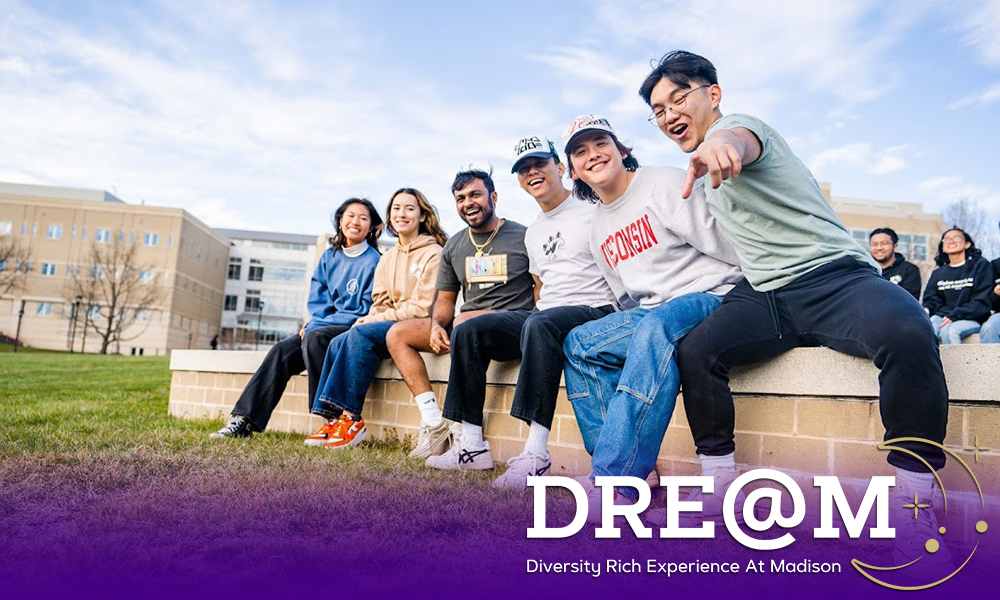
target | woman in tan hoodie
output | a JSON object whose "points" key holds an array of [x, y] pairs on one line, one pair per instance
{"points": [[403, 289]]}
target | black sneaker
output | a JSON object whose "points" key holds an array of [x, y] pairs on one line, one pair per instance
{"points": [[237, 427]]}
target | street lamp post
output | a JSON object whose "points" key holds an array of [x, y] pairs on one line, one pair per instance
{"points": [[260, 313], [17, 335], [76, 312]]}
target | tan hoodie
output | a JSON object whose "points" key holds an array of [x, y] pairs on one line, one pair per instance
{"points": [[404, 281]]}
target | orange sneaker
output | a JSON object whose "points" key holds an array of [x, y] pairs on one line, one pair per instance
{"points": [[323, 434], [347, 432]]}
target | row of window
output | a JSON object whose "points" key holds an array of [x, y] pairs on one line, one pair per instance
{"points": [[101, 235], [276, 270]]}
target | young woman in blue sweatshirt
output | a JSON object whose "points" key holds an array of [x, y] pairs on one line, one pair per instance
{"points": [[957, 297], [340, 293]]}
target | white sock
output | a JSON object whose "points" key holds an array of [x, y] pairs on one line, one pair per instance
{"points": [[711, 464], [538, 439], [913, 482], [472, 435], [430, 412]]}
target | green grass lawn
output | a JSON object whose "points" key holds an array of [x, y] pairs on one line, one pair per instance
{"points": [[96, 479]]}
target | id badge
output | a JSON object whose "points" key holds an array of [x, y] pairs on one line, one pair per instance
{"points": [[486, 269]]}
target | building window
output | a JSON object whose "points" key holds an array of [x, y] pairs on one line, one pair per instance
{"points": [[49, 269], [54, 232], [97, 272], [83, 234], [230, 302], [185, 283], [24, 228], [252, 303], [170, 240], [146, 276], [150, 239], [5, 227], [142, 315], [102, 236], [256, 272], [131, 237], [44, 309], [34, 229], [234, 268], [94, 313], [194, 287], [72, 233]]}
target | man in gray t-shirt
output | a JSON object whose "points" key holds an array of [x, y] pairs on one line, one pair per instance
{"points": [[807, 284], [487, 262], [496, 279]]}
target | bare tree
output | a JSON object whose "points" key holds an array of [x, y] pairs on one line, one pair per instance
{"points": [[967, 214], [14, 258], [116, 292]]}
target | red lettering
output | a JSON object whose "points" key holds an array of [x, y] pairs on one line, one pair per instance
{"points": [[648, 229]]}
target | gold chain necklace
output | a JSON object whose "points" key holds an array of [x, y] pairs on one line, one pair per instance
{"points": [[481, 247]]}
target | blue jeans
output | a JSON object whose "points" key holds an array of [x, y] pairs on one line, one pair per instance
{"points": [[954, 332], [990, 332], [622, 379], [349, 369]]}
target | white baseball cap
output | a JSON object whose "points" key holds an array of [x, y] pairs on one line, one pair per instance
{"points": [[532, 147], [583, 124]]}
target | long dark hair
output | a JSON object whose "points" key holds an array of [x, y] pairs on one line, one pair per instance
{"points": [[338, 241], [429, 225], [972, 252]]}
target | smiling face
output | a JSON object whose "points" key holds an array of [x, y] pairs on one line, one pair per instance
{"points": [[953, 242], [688, 124], [405, 214], [597, 161], [475, 204], [540, 177], [355, 224], [882, 247]]}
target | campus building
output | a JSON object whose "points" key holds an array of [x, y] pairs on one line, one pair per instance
{"points": [[267, 286], [59, 226]]}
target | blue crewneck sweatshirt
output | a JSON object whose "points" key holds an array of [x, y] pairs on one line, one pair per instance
{"points": [[341, 288]]}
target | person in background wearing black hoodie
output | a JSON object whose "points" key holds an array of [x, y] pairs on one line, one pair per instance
{"points": [[882, 243], [990, 333], [958, 293]]}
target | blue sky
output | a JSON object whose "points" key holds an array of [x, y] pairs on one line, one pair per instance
{"points": [[265, 115]]}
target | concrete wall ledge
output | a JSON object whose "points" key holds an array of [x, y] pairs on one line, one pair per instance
{"points": [[972, 371]]}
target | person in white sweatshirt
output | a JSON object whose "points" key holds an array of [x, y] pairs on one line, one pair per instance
{"points": [[656, 250]]}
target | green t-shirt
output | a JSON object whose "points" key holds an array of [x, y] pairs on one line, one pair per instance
{"points": [[777, 217]]}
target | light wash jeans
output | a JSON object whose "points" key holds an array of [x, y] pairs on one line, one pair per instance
{"points": [[990, 332], [622, 379], [349, 369], [954, 332]]}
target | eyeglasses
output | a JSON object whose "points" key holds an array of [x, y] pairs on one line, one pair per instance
{"points": [[954, 238], [660, 116]]}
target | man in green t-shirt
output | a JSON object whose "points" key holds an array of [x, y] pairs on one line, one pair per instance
{"points": [[808, 283]]}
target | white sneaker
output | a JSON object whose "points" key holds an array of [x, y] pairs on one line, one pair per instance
{"points": [[918, 536], [431, 440], [527, 464], [711, 504], [594, 504], [463, 458]]}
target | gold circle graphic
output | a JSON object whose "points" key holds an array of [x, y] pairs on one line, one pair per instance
{"points": [[932, 545], [981, 527]]}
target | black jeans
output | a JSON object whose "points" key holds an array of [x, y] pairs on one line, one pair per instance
{"points": [[287, 358], [844, 305], [535, 337]]}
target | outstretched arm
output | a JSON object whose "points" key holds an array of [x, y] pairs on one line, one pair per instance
{"points": [[721, 156]]}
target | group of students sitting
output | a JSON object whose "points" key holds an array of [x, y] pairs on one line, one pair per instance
{"points": [[963, 292], [635, 282]]}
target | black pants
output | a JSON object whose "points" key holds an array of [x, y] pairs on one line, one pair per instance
{"points": [[535, 337], [287, 358], [844, 305]]}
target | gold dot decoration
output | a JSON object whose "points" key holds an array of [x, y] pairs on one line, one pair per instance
{"points": [[981, 527], [932, 546], [942, 530]]}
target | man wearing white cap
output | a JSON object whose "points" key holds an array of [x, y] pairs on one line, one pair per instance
{"points": [[569, 291], [669, 256]]}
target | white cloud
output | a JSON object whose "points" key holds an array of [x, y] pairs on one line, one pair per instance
{"points": [[864, 156], [987, 96], [981, 26], [938, 192]]}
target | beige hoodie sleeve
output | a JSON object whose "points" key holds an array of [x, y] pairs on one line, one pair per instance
{"points": [[418, 305]]}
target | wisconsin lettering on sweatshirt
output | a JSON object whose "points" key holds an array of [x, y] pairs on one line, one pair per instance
{"points": [[629, 241]]}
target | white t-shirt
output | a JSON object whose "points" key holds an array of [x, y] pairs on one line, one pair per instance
{"points": [[558, 245], [654, 246]]}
